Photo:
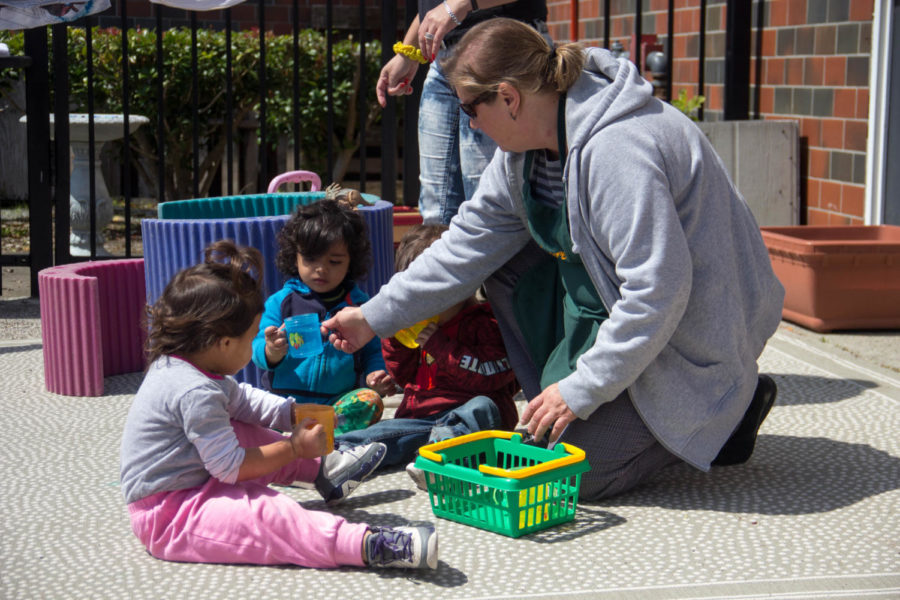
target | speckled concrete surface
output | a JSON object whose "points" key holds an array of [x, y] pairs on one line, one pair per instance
{"points": [[814, 514]]}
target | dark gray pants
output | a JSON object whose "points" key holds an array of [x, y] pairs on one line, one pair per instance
{"points": [[620, 449]]}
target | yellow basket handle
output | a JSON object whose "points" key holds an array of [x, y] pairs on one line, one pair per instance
{"points": [[575, 455], [431, 450]]}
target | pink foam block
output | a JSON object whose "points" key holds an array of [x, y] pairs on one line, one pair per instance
{"points": [[91, 323]]}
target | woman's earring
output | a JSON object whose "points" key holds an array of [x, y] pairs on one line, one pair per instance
{"points": [[512, 116]]}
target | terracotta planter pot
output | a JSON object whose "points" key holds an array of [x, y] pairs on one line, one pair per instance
{"points": [[843, 277]]}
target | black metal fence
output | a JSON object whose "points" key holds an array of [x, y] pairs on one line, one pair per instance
{"points": [[48, 162], [46, 70]]}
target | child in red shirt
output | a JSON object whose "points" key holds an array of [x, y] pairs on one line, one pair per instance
{"points": [[456, 380]]}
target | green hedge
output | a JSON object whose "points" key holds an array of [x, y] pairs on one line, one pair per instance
{"points": [[107, 78]]}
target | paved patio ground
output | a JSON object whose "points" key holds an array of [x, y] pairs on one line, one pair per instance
{"points": [[814, 514]]}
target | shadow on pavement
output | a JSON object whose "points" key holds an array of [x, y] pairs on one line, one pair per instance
{"points": [[786, 476], [588, 520], [126, 384], [797, 390], [361, 500], [25, 347]]}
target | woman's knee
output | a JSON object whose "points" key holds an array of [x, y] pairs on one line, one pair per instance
{"points": [[605, 480], [597, 488]]}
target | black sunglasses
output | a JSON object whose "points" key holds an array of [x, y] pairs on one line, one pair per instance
{"points": [[469, 107]]}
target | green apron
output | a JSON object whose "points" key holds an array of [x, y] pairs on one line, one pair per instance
{"points": [[561, 289]]}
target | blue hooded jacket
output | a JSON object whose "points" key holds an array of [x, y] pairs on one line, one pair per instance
{"points": [[322, 378]]}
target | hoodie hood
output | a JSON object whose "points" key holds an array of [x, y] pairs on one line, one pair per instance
{"points": [[609, 89], [357, 296], [296, 285]]}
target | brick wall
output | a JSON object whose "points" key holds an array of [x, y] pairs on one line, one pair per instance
{"points": [[815, 69]]}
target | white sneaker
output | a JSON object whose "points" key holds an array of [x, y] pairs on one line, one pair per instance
{"points": [[341, 472], [419, 476]]}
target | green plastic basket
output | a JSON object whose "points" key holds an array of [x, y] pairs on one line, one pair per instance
{"points": [[493, 481]]}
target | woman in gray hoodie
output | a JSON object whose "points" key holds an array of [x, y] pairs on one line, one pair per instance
{"points": [[633, 285]]}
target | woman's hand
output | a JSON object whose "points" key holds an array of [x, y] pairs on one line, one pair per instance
{"points": [[348, 330], [382, 382], [437, 22], [395, 78], [308, 439], [546, 410], [276, 344]]}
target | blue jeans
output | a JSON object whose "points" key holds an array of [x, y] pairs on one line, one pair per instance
{"points": [[452, 155], [403, 437]]}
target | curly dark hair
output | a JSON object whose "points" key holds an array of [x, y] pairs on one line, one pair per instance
{"points": [[314, 228], [414, 243], [202, 304]]}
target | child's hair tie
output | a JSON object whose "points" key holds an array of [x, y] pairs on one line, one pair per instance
{"points": [[410, 52]]}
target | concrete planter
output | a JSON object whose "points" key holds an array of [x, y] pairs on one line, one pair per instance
{"points": [[845, 277], [763, 159]]}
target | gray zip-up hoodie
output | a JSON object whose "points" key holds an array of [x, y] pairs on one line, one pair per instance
{"points": [[668, 242]]}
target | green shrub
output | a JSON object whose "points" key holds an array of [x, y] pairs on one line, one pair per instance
{"points": [[688, 106], [177, 82]]}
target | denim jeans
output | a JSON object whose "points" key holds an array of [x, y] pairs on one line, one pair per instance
{"points": [[403, 437], [452, 155]]}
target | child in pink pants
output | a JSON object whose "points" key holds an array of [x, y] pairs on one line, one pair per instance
{"points": [[199, 449], [223, 523]]}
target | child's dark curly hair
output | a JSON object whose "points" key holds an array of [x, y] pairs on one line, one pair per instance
{"points": [[315, 227], [202, 304]]}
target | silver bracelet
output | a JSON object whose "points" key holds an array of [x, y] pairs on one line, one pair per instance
{"points": [[451, 13]]}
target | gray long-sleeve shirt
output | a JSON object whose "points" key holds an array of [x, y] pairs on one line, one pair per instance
{"points": [[178, 431]]}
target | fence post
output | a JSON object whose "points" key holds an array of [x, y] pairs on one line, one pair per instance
{"points": [[61, 148], [411, 130], [37, 109], [737, 60], [389, 113]]}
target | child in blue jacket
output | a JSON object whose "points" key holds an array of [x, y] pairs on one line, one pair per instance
{"points": [[323, 249]]}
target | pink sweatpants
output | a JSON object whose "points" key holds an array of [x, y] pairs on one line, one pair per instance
{"points": [[247, 522]]}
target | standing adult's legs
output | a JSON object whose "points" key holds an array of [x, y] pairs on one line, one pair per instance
{"points": [[476, 150], [452, 155], [439, 168]]}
